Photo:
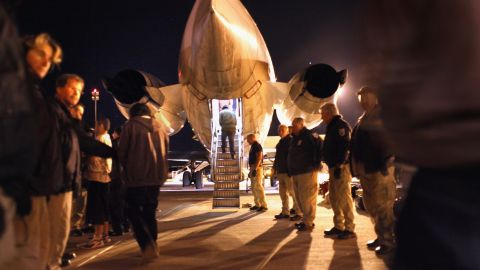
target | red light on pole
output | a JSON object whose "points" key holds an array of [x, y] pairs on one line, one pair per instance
{"points": [[95, 98]]}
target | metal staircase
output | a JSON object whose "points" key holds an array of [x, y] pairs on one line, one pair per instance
{"points": [[226, 172]]}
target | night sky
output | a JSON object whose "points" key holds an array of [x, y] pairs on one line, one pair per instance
{"points": [[100, 38]]}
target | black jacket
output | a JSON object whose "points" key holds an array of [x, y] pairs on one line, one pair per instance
{"points": [[302, 154], [280, 165], [337, 140], [19, 119], [73, 139], [370, 144]]}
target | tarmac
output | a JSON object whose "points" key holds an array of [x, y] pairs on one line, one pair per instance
{"points": [[192, 235]]}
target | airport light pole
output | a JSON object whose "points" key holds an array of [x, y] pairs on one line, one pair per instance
{"points": [[95, 98]]}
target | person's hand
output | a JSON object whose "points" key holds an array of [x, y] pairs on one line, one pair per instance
{"points": [[337, 173]]}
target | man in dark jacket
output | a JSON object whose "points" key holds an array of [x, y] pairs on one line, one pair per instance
{"points": [[303, 164], [372, 163], [142, 151], [69, 88], [280, 169], [335, 155]]}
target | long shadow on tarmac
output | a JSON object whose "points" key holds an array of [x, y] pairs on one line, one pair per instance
{"points": [[346, 255], [191, 221]]}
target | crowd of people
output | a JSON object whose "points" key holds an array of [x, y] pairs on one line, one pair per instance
{"points": [[56, 177], [365, 153], [62, 178]]}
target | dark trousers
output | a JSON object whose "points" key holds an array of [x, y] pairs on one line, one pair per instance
{"points": [[142, 204], [231, 141], [117, 205], [439, 226]]}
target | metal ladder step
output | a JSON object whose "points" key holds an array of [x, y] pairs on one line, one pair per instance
{"points": [[227, 177], [227, 163], [226, 194], [220, 170], [227, 185], [226, 202]]}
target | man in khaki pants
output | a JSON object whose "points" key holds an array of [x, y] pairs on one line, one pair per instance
{"points": [[285, 181], [303, 165], [255, 159], [372, 163], [335, 154]]}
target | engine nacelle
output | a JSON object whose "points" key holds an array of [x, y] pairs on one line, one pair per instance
{"points": [[310, 89], [130, 86]]}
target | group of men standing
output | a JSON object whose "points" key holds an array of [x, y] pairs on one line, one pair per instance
{"points": [[364, 153]]}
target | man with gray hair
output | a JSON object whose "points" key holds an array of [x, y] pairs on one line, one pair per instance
{"points": [[303, 165], [335, 155]]}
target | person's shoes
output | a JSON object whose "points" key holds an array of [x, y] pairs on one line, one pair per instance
{"points": [[69, 255], [107, 239], [76, 233], [295, 218], [94, 243], [373, 244], [332, 232], [65, 262], [114, 233], [262, 209], [383, 250], [293, 212], [304, 227], [347, 235], [281, 216], [254, 208], [149, 254], [299, 224], [232, 155]]}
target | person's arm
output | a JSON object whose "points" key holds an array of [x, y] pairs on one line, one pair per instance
{"points": [[123, 143], [259, 158], [91, 146], [343, 143]]}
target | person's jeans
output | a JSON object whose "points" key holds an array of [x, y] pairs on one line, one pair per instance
{"points": [[231, 141], [142, 204]]}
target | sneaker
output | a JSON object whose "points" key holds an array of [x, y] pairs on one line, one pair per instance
{"points": [[383, 250], [94, 243], [107, 239], [262, 209], [347, 235], [373, 244], [296, 218], [332, 232], [253, 208], [69, 255], [293, 212], [281, 216], [149, 254]]}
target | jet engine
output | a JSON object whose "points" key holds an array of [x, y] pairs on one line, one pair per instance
{"points": [[310, 89], [130, 86]]}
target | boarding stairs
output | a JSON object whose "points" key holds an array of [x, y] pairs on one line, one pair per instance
{"points": [[226, 172]]}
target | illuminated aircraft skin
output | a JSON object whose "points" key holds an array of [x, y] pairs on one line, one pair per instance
{"points": [[224, 56]]}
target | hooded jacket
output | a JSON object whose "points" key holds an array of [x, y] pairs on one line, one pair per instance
{"points": [[142, 151]]}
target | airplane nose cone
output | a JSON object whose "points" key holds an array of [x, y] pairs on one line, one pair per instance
{"points": [[221, 48]]}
